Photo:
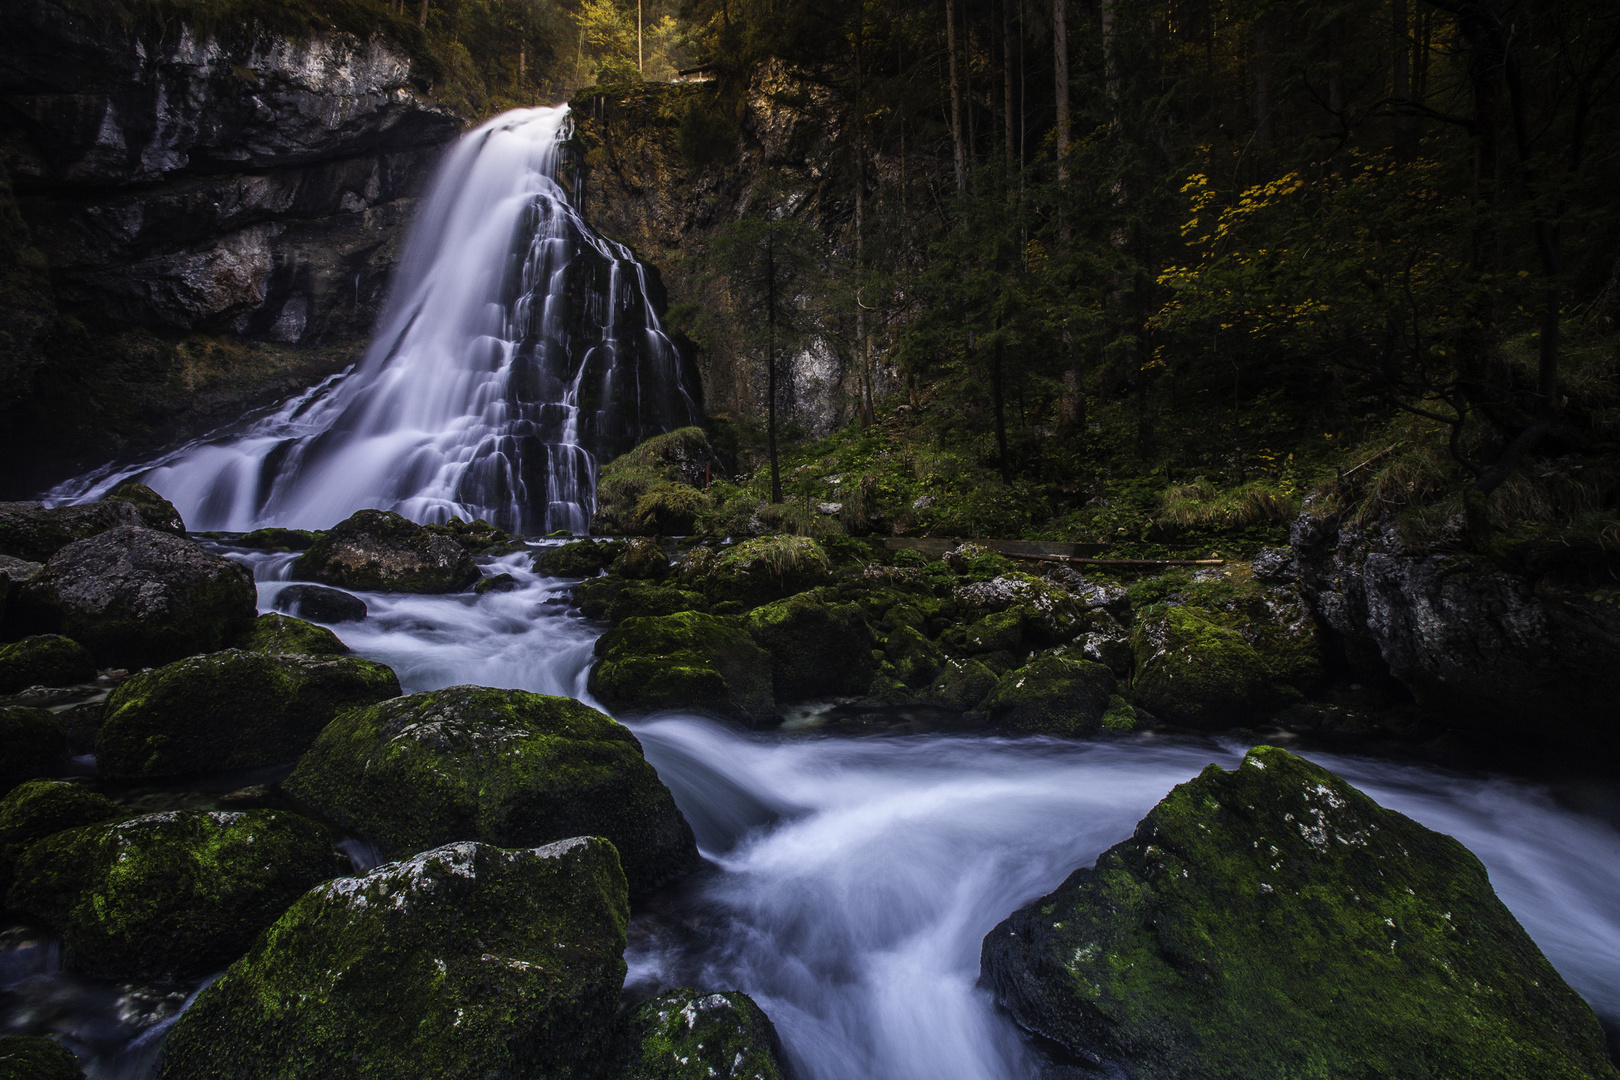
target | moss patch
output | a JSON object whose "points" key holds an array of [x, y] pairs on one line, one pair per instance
{"points": [[284, 635], [32, 743], [816, 648], [172, 893], [1052, 695], [34, 1057], [230, 710], [582, 558], [1274, 921], [502, 767], [1193, 669], [44, 660], [686, 660], [38, 808], [688, 1035], [463, 961]]}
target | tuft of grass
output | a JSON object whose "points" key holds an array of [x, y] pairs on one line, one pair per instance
{"points": [[1200, 504]]}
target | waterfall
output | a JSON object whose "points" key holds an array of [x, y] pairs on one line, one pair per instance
{"points": [[517, 352]]}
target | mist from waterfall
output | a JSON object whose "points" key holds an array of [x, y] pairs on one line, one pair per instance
{"points": [[518, 351]]}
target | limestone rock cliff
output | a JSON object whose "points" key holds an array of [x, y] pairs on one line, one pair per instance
{"points": [[210, 218]]}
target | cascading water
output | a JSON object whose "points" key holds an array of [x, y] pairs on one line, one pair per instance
{"points": [[517, 352]]}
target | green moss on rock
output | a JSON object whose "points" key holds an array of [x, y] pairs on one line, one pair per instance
{"points": [[916, 660], [816, 648], [639, 600], [465, 961], [34, 1057], [35, 532], [381, 551], [766, 568], [502, 767], [1052, 695], [689, 1035], [156, 512], [1192, 669], [1001, 631], [1274, 921], [44, 660], [962, 684], [174, 893], [284, 635], [230, 710], [582, 558], [642, 558], [33, 743], [275, 539], [38, 808], [686, 660], [1120, 715]]}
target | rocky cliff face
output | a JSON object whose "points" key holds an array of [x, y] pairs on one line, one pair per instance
{"points": [[667, 166], [206, 218], [1496, 652]]}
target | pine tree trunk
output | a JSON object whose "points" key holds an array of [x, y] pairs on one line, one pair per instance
{"points": [[770, 369], [1060, 77], [956, 97]]}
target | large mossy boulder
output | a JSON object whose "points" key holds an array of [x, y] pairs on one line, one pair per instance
{"points": [[33, 743], [35, 532], [381, 551], [44, 660], [687, 660], [38, 808], [1194, 669], [579, 559], [155, 511], [35, 1057], [657, 488], [817, 648], [285, 635], [961, 685], [642, 559], [230, 710], [503, 767], [689, 1035], [916, 661], [175, 893], [464, 961], [1274, 921], [763, 569], [638, 599], [1052, 695], [1051, 615], [135, 596]]}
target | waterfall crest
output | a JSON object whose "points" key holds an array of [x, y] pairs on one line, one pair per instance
{"points": [[517, 351]]}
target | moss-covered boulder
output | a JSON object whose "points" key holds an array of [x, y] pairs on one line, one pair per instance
{"points": [[38, 808], [962, 684], [230, 710], [1274, 921], [321, 603], [1121, 715], [1193, 669], [464, 961], [276, 539], [33, 743], [495, 583], [579, 559], [155, 511], [135, 596], [381, 551], [687, 660], [502, 767], [1050, 614], [44, 660], [917, 661], [689, 1035], [998, 632], [175, 893], [1052, 695], [34, 1057], [285, 635], [35, 532], [640, 600], [817, 648], [642, 558], [764, 569], [656, 489]]}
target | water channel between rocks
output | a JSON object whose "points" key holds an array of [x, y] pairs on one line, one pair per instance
{"points": [[853, 878]]}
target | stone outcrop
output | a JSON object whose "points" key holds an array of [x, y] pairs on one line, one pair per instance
{"points": [[381, 551], [1495, 651], [235, 182]]}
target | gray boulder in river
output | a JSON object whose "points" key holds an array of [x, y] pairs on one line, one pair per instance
{"points": [[1274, 921], [135, 596], [381, 551]]}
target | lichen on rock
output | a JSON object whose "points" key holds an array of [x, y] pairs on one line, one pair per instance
{"points": [[686, 1034], [1274, 921], [503, 767]]}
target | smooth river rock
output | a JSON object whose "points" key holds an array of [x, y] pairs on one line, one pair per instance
{"points": [[1274, 921]]}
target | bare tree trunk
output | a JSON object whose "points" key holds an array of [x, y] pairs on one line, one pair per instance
{"points": [[770, 368], [998, 398], [1007, 75], [1263, 128], [421, 15], [1060, 76], [1110, 60], [862, 340], [956, 96]]}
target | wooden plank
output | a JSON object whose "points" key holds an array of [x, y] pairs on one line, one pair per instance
{"points": [[935, 546]]}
